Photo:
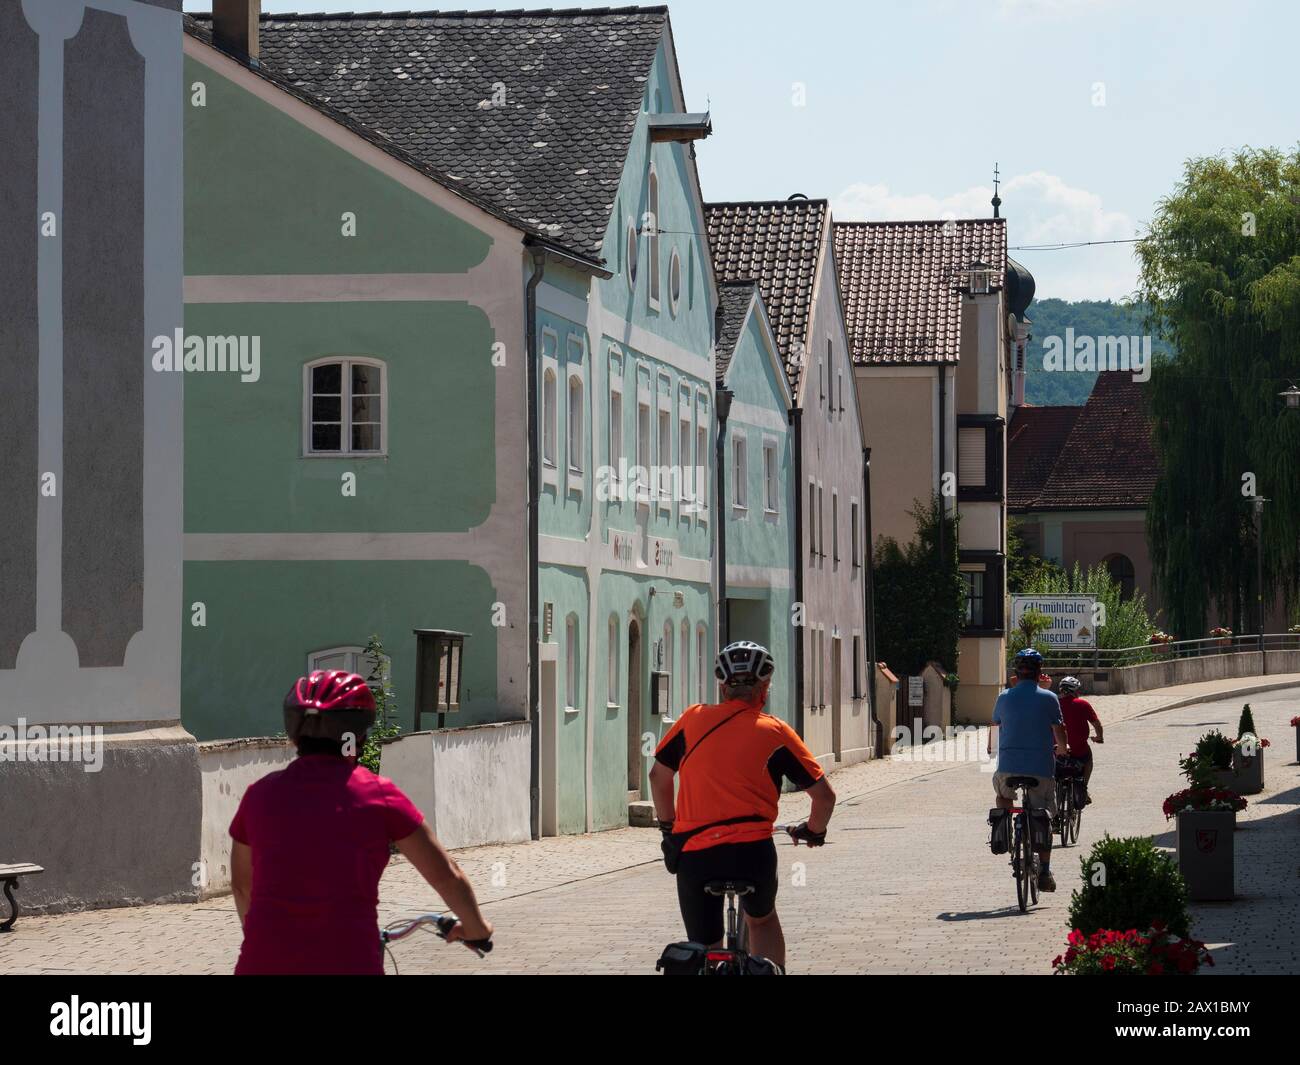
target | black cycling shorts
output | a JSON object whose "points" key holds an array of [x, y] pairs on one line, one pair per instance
{"points": [[702, 913]]}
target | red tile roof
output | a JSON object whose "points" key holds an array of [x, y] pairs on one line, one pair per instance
{"points": [[778, 244], [1034, 443], [1108, 461], [900, 284]]}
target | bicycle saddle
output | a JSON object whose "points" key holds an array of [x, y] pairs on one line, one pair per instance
{"points": [[1022, 782], [730, 887]]}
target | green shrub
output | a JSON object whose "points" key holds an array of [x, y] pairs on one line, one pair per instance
{"points": [[386, 726], [1247, 723], [1214, 749], [1128, 883]]}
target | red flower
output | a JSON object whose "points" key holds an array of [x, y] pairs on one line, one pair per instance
{"points": [[1075, 938], [1108, 962], [1155, 969]]}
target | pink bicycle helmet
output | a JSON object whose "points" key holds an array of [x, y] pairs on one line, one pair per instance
{"points": [[330, 705]]}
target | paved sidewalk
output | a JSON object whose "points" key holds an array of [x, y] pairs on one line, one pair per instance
{"points": [[907, 887]]}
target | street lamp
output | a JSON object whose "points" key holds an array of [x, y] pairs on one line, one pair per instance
{"points": [[1292, 397]]}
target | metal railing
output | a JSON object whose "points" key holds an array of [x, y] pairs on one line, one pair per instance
{"points": [[1114, 657]]}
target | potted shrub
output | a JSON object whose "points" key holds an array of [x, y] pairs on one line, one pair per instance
{"points": [[1141, 888], [1222, 635], [1110, 952], [1213, 756], [1206, 818], [1295, 724], [1160, 642]]}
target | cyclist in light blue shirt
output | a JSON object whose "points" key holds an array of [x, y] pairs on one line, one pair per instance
{"points": [[1029, 731]]}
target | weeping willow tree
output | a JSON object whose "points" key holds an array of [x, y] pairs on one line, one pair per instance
{"points": [[1220, 269]]}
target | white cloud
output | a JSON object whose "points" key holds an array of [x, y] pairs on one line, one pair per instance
{"points": [[1040, 208]]}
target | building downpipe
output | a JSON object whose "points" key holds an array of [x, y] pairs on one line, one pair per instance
{"points": [[534, 552]]}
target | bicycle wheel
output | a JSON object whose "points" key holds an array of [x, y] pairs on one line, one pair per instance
{"points": [[1076, 817], [1064, 812], [1025, 870]]}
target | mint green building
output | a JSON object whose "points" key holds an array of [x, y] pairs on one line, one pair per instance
{"points": [[414, 245], [756, 468]]}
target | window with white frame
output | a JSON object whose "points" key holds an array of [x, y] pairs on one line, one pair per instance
{"points": [[643, 457], [665, 456], [701, 654], [702, 467], [549, 419], [856, 541], [685, 685], [615, 432], [674, 282], [812, 522], [686, 475], [631, 255], [345, 406], [668, 662], [739, 473], [350, 659], [612, 694], [835, 527], [571, 671], [575, 424], [652, 229], [770, 489]]}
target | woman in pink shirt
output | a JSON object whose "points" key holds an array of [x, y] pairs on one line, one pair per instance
{"points": [[311, 842]]}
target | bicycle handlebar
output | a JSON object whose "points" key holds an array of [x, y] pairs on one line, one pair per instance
{"points": [[441, 923]]}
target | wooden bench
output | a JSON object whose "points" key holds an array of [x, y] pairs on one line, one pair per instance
{"points": [[9, 875]]}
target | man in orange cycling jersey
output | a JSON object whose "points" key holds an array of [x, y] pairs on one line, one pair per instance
{"points": [[731, 758]]}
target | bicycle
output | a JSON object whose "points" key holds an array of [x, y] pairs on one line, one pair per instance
{"points": [[1024, 857], [1069, 799], [438, 923], [733, 957]]}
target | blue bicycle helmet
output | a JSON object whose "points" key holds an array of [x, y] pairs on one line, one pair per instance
{"points": [[1029, 659]]}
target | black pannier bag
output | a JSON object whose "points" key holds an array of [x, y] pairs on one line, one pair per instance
{"points": [[1000, 836], [682, 959], [1040, 829]]}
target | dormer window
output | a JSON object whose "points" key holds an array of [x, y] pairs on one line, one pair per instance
{"points": [[979, 279]]}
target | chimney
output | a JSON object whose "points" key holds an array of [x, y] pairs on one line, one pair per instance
{"points": [[234, 26]]}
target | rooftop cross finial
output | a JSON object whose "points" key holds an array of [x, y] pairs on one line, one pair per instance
{"points": [[997, 200]]}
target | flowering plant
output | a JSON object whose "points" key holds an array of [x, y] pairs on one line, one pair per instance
{"points": [[1202, 800], [1160, 637], [1221, 632], [1250, 744], [1132, 953], [1294, 628], [1295, 722]]}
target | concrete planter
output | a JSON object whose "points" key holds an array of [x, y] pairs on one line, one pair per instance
{"points": [[1249, 772], [1297, 743], [1224, 778], [1205, 853]]}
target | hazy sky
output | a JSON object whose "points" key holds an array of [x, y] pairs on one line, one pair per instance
{"points": [[1090, 107]]}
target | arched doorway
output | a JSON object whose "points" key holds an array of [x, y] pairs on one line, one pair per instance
{"points": [[633, 710], [1120, 568]]}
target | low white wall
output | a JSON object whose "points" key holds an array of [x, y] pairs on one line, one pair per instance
{"points": [[1174, 671], [471, 784], [227, 768]]}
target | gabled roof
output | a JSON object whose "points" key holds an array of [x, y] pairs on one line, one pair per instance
{"points": [[1034, 442], [900, 284], [779, 245], [431, 83], [1107, 461], [734, 298]]}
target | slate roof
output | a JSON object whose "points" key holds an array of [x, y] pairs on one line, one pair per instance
{"points": [[1034, 442], [900, 281], [734, 298], [1107, 461], [778, 244], [550, 158]]}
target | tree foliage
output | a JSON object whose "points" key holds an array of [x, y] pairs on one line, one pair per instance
{"points": [[1127, 622], [1024, 568], [920, 595], [1220, 270]]}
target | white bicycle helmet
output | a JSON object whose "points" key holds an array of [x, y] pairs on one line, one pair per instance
{"points": [[743, 662], [1070, 684]]}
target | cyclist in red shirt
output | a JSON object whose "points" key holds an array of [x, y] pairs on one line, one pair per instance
{"points": [[311, 842], [1078, 714]]}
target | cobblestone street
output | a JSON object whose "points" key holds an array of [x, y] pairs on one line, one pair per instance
{"points": [[908, 886]]}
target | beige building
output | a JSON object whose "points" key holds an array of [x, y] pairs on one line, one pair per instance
{"points": [[935, 314]]}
